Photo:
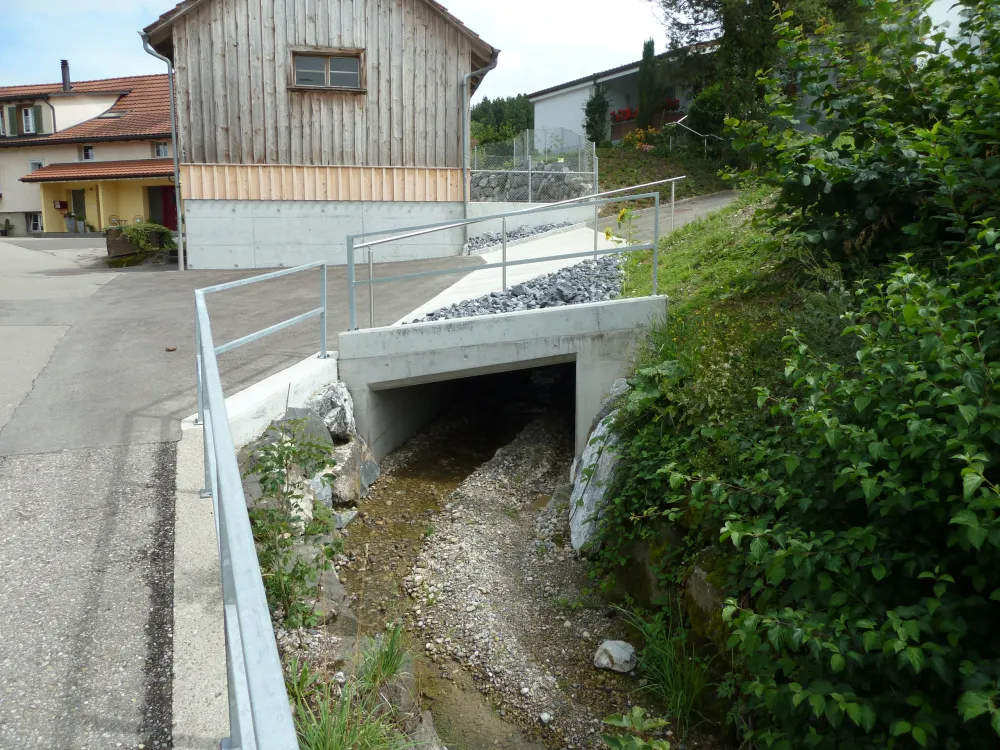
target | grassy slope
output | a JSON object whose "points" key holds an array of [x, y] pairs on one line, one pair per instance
{"points": [[620, 167]]}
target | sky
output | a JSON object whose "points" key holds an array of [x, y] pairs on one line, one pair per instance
{"points": [[542, 42]]}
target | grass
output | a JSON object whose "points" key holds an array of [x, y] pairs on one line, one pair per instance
{"points": [[621, 167], [355, 716], [678, 675]]}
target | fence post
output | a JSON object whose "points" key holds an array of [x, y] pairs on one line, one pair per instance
{"points": [[352, 311], [656, 240], [529, 177], [596, 191], [371, 288], [322, 317], [673, 186], [504, 256]]}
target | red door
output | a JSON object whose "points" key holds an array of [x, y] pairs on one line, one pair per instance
{"points": [[169, 207]]}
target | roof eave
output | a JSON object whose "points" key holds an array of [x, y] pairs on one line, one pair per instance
{"points": [[53, 139]]}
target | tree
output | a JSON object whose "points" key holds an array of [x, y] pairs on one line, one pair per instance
{"points": [[595, 115], [648, 85], [508, 113]]}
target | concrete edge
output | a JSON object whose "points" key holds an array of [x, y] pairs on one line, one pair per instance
{"points": [[254, 408], [200, 692]]}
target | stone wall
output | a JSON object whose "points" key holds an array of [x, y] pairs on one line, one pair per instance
{"points": [[549, 183]]}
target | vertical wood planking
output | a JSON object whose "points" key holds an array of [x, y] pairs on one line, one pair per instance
{"points": [[282, 63], [183, 91], [384, 91], [453, 99], [197, 141], [270, 86], [233, 82], [440, 86], [408, 73], [357, 105], [257, 114], [203, 19], [242, 43], [420, 72], [294, 10], [396, 80], [220, 124]]}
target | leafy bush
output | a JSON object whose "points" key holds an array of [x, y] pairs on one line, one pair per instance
{"points": [[595, 115], [854, 478], [708, 110], [148, 238]]}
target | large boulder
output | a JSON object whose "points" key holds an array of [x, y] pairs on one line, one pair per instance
{"points": [[356, 471], [704, 596], [335, 408], [618, 656], [599, 461]]}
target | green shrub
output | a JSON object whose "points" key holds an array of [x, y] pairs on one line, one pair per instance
{"points": [[148, 238], [708, 110]]}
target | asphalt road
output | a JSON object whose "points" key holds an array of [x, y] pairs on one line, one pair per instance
{"points": [[90, 410], [684, 213]]}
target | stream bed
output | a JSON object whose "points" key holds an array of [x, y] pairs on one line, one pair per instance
{"points": [[464, 539]]}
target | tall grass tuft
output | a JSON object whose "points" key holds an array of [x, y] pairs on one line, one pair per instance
{"points": [[677, 673]]}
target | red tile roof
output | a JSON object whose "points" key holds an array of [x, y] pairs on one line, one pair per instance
{"points": [[144, 109], [102, 170]]}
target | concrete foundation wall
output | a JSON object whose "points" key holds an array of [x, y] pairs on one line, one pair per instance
{"points": [[381, 365], [271, 234], [572, 214]]}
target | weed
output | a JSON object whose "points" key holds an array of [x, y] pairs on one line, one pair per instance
{"points": [[636, 722], [677, 673]]}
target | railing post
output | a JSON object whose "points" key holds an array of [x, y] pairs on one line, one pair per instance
{"points": [[323, 354], [673, 191], [206, 489], [352, 309], [596, 191], [504, 255], [656, 240], [529, 177], [371, 288]]}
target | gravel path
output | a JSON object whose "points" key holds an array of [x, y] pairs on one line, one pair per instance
{"points": [[488, 240], [589, 281], [497, 589]]}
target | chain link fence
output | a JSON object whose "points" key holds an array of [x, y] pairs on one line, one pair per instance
{"points": [[538, 166]]}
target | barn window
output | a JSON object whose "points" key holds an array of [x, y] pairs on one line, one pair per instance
{"points": [[335, 70]]}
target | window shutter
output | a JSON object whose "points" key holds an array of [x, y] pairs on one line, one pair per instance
{"points": [[37, 117], [13, 122]]}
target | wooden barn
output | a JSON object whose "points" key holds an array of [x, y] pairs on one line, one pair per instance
{"points": [[301, 121]]}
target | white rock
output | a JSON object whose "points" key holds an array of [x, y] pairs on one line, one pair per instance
{"points": [[617, 656], [588, 498], [336, 407], [545, 717]]}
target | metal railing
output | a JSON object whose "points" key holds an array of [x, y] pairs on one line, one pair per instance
{"points": [[259, 714], [597, 200], [704, 136]]}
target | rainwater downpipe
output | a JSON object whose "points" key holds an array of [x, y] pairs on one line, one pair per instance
{"points": [[467, 131], [173, 147]]}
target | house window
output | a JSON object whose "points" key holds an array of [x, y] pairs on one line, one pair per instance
{"points": [[329, 71], [33, 222], [3, 124], [28, 120], [34, 166], [87, 153], [161, 149]]}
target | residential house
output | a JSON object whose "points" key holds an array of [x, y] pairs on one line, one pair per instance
{"points": [[97, 149], [302, 122], [561, 106]]}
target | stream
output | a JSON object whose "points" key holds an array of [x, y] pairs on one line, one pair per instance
{"points": [[464, 539]]}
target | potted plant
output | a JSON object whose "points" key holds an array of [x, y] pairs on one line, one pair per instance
{"points": [[6, 228], [70, 218]]}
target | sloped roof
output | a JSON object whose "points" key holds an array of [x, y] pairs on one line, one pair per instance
{"points": [[142, 110], [166, 19], [102, 170]]}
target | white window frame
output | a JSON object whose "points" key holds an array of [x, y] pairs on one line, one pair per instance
{"points": [[28, 124], [31, 219], [32, 167], [326, 53], [159, 146], [83, 153], [3, 121]]}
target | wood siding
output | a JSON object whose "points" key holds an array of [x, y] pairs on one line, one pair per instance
{"points": [[233, 61], [297, 183]]}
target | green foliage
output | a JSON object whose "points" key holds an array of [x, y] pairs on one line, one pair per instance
{"points": [[900, 152], [622, 168], [293, 547], [353, 716], [148, 238], [854, 477], [511, 114], [678, 674], [637, 724], [596, 124], [649, 88], [708, 110]]}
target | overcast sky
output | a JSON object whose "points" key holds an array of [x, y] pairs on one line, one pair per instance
{"points": [[543, 42]]}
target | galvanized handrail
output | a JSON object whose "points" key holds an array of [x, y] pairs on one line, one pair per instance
{"points": [[595, 200], [259, 713]]}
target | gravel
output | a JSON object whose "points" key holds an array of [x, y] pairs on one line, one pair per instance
{"points": [[489, 240], [496, 584], [589, 281]]}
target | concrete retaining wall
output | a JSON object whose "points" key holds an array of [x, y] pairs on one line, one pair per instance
{"points": [[271, 234], [381, 366]]}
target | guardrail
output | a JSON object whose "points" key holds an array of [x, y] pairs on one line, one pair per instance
{"points": [[259, 714], [596, 200], [705, 136]]}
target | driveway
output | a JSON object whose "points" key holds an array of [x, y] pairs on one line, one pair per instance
{"points": [[90, 408], [685, 212]]}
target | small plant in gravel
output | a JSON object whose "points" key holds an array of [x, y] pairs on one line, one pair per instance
{"points": [[350, 713], [294, 544], [638, 724]]}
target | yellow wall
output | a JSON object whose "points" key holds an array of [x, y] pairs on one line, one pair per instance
{"points": [[125, 199]]}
